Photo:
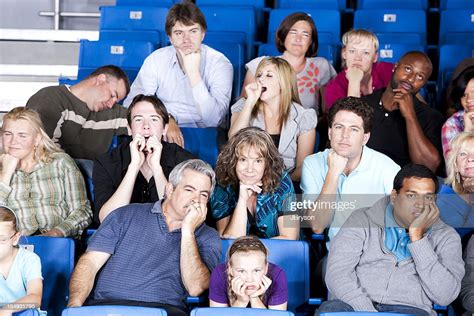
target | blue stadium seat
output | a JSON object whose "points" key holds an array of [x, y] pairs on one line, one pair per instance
{"points": [[236, 55], [392, 52], [257, 5], [392, 4], [138, 23], [363, 314], [328, 23], [202, 142], [394, 25], [109, 310], [456, 4], [127, 55], [457, 27], [237, 311], [311, 4], [57, 261], [152, 3], [28, 312], [327, 51], [449, 57], [293, 257], [231, 25]]}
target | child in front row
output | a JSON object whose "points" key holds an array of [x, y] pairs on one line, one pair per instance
{"points": [[21, 283], [248, 279]]}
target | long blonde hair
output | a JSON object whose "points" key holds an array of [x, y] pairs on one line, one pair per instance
{"points": [[288, 88], [244, 244], [454, 178], [46, 147]]}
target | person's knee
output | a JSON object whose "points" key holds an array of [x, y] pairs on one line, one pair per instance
{"points": [[333, 306]]}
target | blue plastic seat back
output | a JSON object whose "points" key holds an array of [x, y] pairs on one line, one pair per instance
{"points": [[231, 24], [293, 257], [152, 3], [393, 25], [153, 37], [125, 54], [202, 142], [237, 311], [258, 4], [134, 18], [449, 57], [456, 4], [312, 4], [392, 52], [363, 314], [457, 27], [109, 310], [28, 312], [131, 73], [57, 263], [236, 55], [392, 4], [328, 23]]}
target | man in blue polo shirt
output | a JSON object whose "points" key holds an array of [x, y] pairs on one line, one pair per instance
{"points": [[153, 254], [348, 172]]}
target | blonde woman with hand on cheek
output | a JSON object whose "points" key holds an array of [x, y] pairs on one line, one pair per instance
{"points": [[40, 183], [273, 105]]}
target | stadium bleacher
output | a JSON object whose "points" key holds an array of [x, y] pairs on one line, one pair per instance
{"points": [[133, 29]]}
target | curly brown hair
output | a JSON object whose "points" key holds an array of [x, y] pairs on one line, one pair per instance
{"points": [[262, 142], [356, 106]]}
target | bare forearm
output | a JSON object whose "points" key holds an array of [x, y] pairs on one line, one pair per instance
{"points": [[256, 302], [194, 273], [353, 89], [26, 302], [421, 150], [242, 120], [160, 181], [237, 226], [82, 281], [122, 195], [322, 216]]}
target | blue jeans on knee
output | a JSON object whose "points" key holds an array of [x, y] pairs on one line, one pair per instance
{"points": [[340, 306]]}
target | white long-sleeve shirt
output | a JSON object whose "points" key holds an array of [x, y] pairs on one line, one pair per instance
{"points": [[204, 105]]}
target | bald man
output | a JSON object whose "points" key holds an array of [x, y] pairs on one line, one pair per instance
{"points": [[404, 128]]}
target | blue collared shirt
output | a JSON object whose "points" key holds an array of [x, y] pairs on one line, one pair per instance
{"points": [[204, 105], [396, 237]]}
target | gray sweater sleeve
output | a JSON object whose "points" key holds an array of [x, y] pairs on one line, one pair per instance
{"points": [[440, 269], [344, 255], [467, 291]]}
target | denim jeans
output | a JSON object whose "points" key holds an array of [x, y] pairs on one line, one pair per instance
{"points": [[340, 306]]}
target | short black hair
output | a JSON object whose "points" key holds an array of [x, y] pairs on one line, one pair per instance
{"points": [[356, 106], [112, 71], [414, 171]]}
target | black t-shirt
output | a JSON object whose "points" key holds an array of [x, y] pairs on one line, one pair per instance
{"points": [[389, 134], [110, 169]]}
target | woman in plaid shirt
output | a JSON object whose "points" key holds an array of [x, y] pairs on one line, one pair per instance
{"points": [[38, 181]]}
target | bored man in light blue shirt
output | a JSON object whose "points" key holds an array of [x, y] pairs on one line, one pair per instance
{"points": [[193, 80], [348, 176]]}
